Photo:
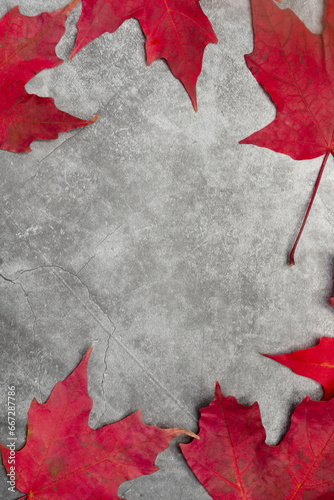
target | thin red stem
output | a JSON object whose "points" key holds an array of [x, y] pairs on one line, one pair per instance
{"points": [[25, 496], [292, 253]]}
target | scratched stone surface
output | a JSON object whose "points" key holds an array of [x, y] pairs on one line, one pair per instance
{"points": [[158, 239]]}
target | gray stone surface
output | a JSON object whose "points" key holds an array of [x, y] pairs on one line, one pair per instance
{"points": [[154, 236]]}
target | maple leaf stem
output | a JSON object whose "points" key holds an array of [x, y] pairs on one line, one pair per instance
{"points": [[24, 496], [292, 253]]}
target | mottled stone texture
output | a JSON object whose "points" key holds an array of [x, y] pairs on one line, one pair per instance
{"points": [[154, 236]]}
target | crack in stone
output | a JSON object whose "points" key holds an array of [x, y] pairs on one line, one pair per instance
{"points": [[109, 333], [32, 312], [57, 147], [98, 245], [7, 279], [71, 273], [26, 294], [104, 375]]}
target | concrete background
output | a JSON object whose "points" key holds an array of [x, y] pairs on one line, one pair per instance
{"points": [[154, 236]]}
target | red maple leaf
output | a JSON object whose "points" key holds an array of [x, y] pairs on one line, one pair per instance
{"points": [[64, 458], [27, 46], [296, 67], [316, 363], [233, 462], [176, 30]]}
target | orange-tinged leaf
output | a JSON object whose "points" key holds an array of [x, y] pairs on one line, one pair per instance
{"points": [[64, 458], [27, 46], [316, 363], [233, 462], [176, 30]]}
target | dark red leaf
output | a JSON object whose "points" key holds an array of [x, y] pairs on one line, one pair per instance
{"points": [[296, 67], [176, 30], [64, 458], [316, 363], [233, 462], [27, 46]]}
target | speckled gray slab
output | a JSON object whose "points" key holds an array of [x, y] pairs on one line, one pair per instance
{"points": [[154, 236]]}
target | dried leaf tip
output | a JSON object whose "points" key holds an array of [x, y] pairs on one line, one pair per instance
{"points": [[71, 6], [89, 352], [190, 434]]}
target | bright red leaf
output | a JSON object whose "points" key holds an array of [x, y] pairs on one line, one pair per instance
{"points": [[233, 462], [296, 67], [176, 30], [316, 363], [64, 458], [27, 46]]}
